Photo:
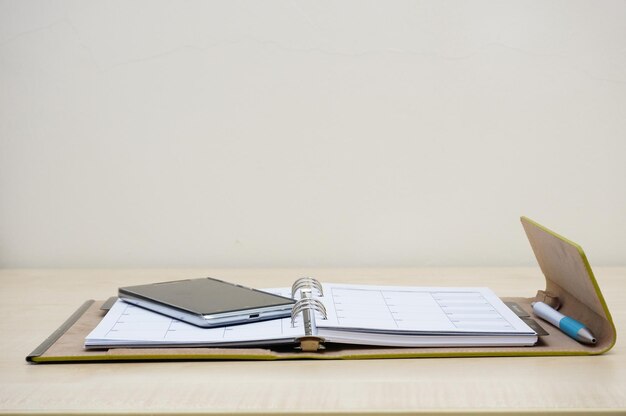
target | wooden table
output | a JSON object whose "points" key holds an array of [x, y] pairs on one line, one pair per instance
{"points": [[36, 302]]}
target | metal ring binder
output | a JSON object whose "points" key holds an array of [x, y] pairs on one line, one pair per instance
{"points": [[306, 282], [304, 304], [307, 305]]}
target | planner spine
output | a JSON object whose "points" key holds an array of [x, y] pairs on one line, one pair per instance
{"points": [[308, 306]]}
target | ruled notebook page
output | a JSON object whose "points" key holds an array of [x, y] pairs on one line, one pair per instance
{"points": [[127, 324], [438, 310]]}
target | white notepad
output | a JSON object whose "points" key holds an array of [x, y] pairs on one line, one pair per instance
{"points": [[354, 314]]}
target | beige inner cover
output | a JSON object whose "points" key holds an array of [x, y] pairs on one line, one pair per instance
{"points": [[569, 277]]}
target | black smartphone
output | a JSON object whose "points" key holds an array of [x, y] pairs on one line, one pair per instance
{"points": [[208, 302]]}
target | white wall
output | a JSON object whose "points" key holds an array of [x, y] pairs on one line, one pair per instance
{"points": [[322, 133]]}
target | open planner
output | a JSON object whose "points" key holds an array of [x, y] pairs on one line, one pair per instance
{"points": [[360, 321], [396, 316]]}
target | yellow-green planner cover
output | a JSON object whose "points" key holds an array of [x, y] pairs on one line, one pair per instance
{"points": [[570, 286]]}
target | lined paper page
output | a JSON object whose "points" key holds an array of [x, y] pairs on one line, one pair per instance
{"points": [[418, 309], [127, 324]]}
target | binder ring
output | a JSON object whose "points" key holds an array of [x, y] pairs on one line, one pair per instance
{"points": [[307, 304], [306, 282]]}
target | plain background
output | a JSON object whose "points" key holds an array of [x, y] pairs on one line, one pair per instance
{"points": [[322, 133]]}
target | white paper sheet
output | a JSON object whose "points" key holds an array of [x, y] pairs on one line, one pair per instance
{"points": [[351, 309], [419, 309]]}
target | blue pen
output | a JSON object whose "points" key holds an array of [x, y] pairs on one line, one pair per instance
{"points": [[571, 327]]}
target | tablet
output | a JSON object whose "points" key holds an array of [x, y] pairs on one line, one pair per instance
{"points": [[208, 302]]}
